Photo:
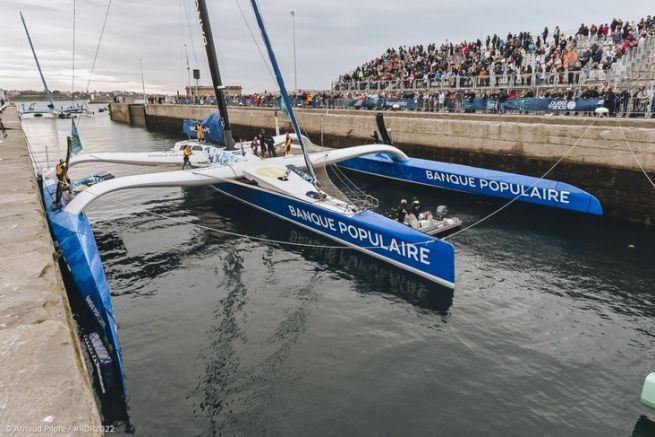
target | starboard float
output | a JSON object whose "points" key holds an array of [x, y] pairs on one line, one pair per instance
{"points": [[478, 181]]}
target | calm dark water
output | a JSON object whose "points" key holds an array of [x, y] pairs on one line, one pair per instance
{"points": [[549, 331]]}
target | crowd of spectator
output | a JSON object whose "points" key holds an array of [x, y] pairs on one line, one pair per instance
{"points": [[590, 51]]}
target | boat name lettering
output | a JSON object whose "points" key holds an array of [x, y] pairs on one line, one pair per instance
{"points": [[366, 237], [202, 27], [547, 194], [466, 181], [95, 312]]}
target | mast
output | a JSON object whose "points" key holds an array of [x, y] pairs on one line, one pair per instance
{"points": [[208, 41], [283, 90], [47, 90]]}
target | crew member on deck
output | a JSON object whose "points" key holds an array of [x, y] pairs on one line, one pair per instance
{"points": [[270, 144], [402, 211], [254, 145], [62, 181], [186, 153], [262, 143], [287, 145], [199, 133], [416, 208]]}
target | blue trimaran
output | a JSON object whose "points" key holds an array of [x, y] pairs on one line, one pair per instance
{"points": [[286, 187]]}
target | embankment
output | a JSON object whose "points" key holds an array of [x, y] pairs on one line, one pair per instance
{"points": [[44, 385]]}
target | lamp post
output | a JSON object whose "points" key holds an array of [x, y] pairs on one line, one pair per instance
{"points": [[143, 84], [188, 69], [295, 67]]}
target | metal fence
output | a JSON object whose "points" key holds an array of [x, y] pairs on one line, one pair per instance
{"points": [[458, 101], [565, 79]]}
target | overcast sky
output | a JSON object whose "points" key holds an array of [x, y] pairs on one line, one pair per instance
{"points": [[332, 36]]}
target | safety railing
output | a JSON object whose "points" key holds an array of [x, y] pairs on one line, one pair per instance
{"points": [[564, 79], [471, 102]]}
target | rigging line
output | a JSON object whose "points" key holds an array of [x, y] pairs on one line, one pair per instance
{"points": [[188, 22], [483, 219], [102, 31], [185, 53], [634, 155], [73, 62], [252, 35], [250, 237]]}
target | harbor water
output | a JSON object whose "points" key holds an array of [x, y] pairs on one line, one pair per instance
{"points": [[548, 332]]}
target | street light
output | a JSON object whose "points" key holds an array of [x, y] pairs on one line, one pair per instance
{"points": [[295, 67], [143, 84]]}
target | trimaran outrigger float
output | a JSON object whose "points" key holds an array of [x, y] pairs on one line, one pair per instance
{"points": [[286, 187]]}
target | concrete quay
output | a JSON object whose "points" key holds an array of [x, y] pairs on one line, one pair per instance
{"points": [[600, 161], [44, 385]]}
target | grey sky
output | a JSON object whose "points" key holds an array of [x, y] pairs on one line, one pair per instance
{"points": [[332, 36]]}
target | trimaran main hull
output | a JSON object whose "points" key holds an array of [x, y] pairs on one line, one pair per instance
{"points": [[366, 231]]}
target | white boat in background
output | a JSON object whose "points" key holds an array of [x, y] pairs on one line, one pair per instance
{"points": [[50, 111]]}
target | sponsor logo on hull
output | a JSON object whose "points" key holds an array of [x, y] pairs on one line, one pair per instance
{"points": [[367, 231], [479, 181]]}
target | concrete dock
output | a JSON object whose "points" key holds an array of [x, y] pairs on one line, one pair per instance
{"points": [[44, 385]]}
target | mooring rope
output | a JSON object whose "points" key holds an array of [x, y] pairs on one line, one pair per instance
{"points": [[487, 217], [634, 155], [188, 22]]}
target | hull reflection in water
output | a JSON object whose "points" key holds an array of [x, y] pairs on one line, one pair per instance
{"points": [[368, 274], [378, 276], [222, 361], [245, 365], [228, 379]]}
